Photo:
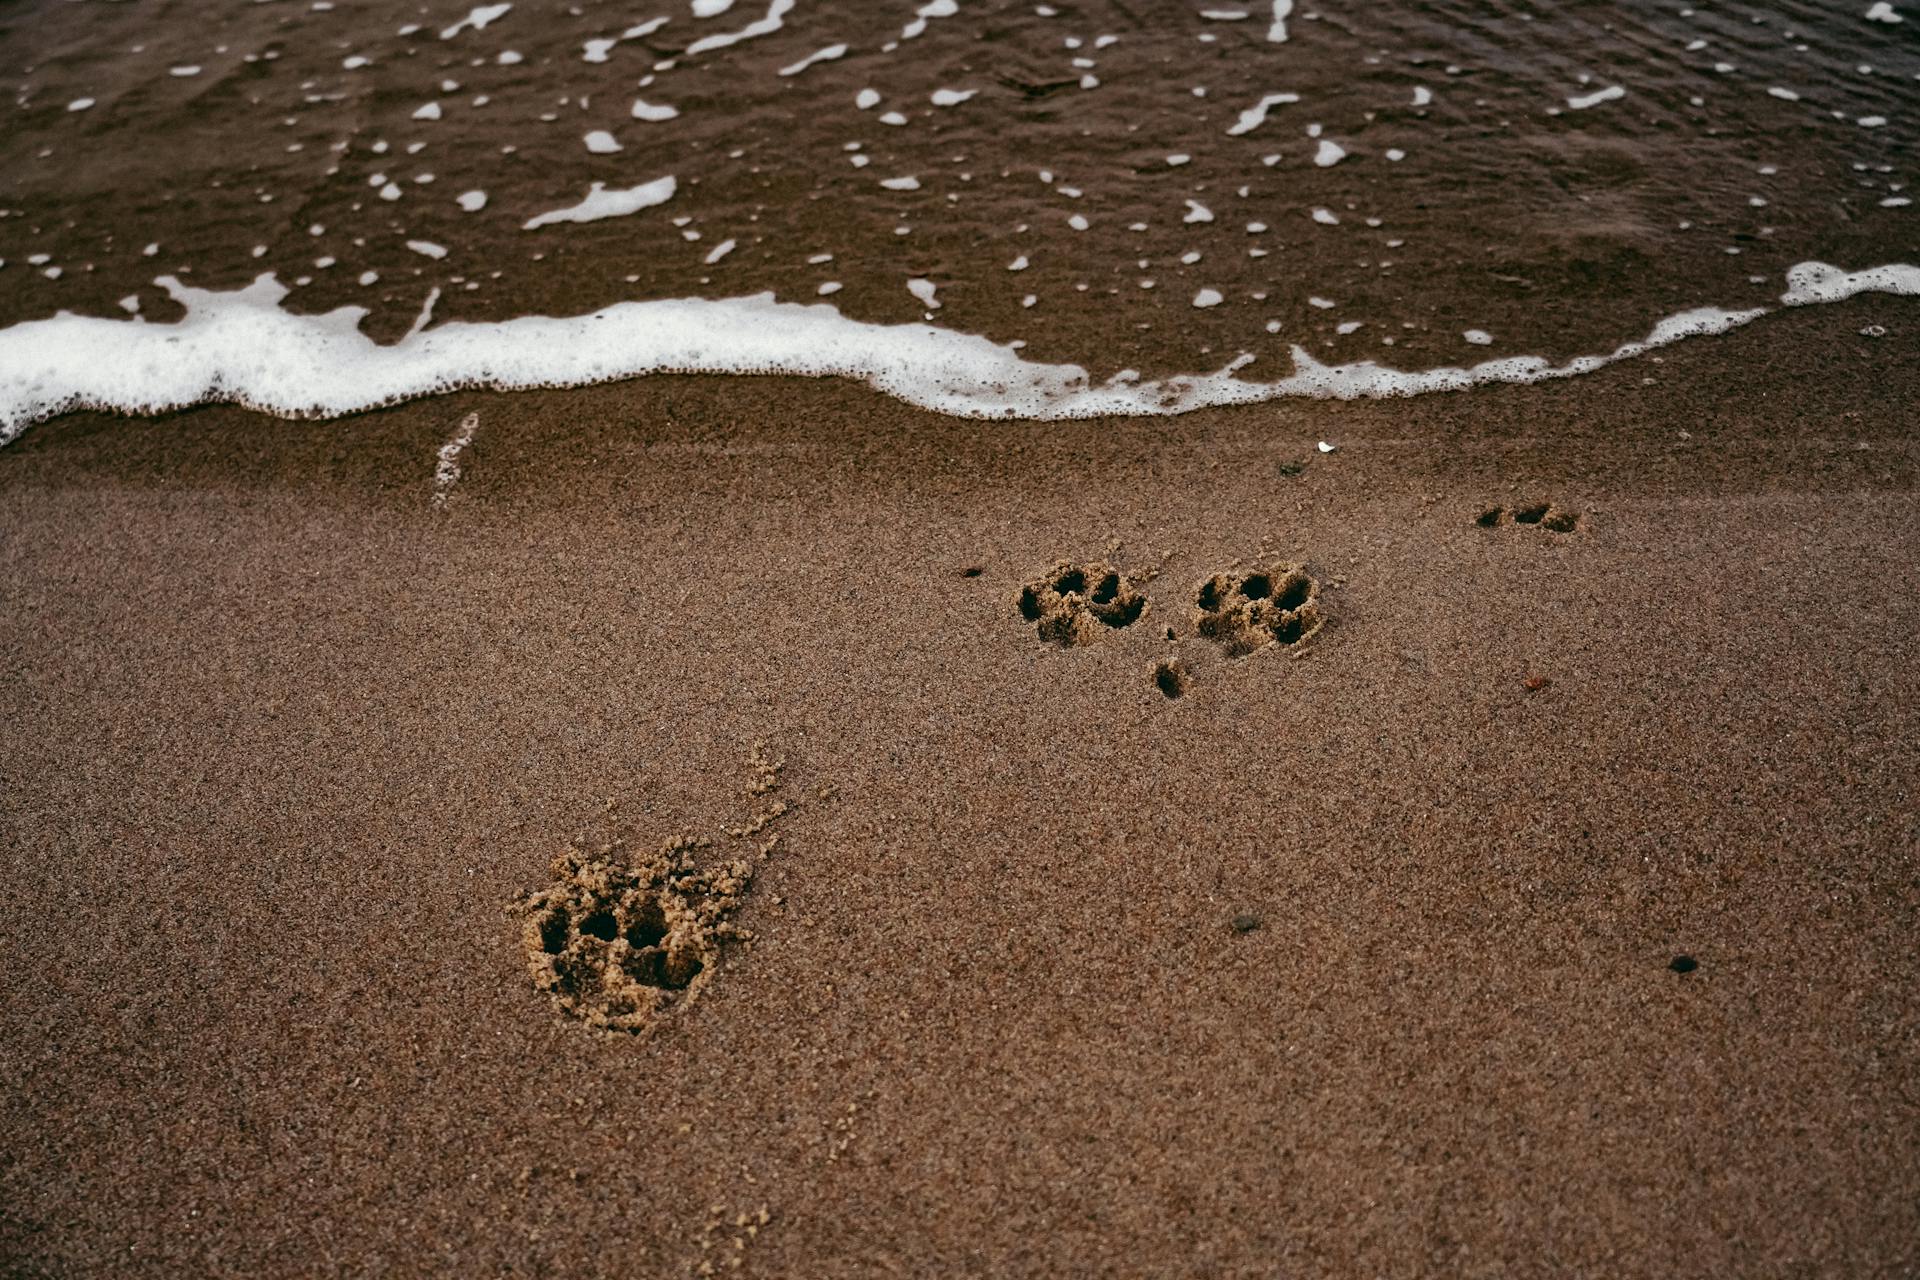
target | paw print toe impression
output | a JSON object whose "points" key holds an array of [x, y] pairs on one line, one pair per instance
{"points": [[1544, 515], [1245, 612], [1073, 605]]}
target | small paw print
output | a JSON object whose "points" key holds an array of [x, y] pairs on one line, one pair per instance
{"points": [[1244, 612], [1073, 605]]}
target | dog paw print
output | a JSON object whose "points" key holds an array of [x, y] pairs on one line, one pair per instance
{"points": [[1245, 612], [618, 943], [1543, 514], [1073, 605], [618, 939]]}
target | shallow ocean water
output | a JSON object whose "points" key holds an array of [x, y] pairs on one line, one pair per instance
{"points": [[1161, 189]]}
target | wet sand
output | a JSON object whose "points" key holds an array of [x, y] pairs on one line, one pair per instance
{"points": [[1355, 959]]}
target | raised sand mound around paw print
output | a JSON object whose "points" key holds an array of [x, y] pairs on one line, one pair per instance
{"points": [[1544, 515], [1076, 604], [618, 940], [1245, 612]]}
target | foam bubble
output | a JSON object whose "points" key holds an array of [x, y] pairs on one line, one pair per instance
{"points": [[602, 203], [776, 17], [932, 9], [1612, 93], [1277, 31], [827, 54], [1254, 116], [476, 19]]}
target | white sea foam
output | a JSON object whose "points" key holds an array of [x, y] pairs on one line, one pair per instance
{"points": [[776, 17], [1610, 94], [1277, 31], [827, 54], [446, 466], [1254, 116], [931, 9], [242, 347], [602, 203], [598, 50], [476, 19], [1812, 282]]}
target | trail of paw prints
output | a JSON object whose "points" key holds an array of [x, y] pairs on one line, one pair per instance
{"points": [[620, 939], [1543, 515], [1072, 605]]}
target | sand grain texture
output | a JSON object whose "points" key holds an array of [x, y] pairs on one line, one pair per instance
{"points": [[1354, 964]]}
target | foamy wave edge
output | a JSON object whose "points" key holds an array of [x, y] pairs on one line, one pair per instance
{"points": [[241, 347]]}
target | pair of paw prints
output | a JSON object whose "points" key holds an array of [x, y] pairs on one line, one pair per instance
{"points": [[1545, 515], [1241, 612]]}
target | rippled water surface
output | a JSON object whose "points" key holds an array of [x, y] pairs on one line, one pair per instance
{"points": [[1162, 187]]}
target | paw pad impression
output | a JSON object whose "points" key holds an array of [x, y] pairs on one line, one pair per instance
{"points": [[1074, 604], [1544, 514], [1243, 612], [618, 943]]}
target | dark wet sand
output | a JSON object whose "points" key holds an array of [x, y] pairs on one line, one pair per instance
{"points": [[279, 743]]}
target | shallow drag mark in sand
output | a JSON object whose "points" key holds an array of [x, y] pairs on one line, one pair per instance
{"points": [[1543, 515], [1245, 612], [620, 940], [447, 469], [1072, 605]]}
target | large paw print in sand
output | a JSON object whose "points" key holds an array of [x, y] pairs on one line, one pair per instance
{"points": [[617, 943], [618, 940], [1545, 515], [1076, 604], [1245, 612]]}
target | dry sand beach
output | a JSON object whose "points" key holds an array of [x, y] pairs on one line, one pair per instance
{"points": [[488, 788], [1355, 959]]}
